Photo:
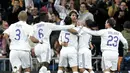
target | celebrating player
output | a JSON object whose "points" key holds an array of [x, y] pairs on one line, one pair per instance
{"points": [[109, 45], [42, 31], [18, 33]]}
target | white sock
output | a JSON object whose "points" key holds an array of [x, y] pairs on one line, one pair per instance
{"points": [[48, 71], [92, 72], [107, 72], [75, 72], [59, 71], [43, 69], [85, 71], [26, 72]]}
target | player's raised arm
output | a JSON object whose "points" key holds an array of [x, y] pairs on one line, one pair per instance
{"points": [[124, 41]]}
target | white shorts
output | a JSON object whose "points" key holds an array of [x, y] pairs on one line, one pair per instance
{"points": [[20, 59], [85, 59], [109, 60], [68, 55], [43, 52]]}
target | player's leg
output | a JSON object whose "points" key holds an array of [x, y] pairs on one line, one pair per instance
{"points": [[26, 60], [43, 56], [109, 61], [114, 61], [60, 69], [81, 63], [43, 67], [42, 59], [105, 64], [72, 58], [15, 61], [88, 61], [62, 61]]}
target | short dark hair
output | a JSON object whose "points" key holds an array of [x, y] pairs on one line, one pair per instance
{"points": [[73, 12], [111, 22], [43, 17], [86, 5], [56, 14], [68, 20], [88, 23]]}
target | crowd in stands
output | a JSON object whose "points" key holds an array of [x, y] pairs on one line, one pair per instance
{"points": [[96, 10]]}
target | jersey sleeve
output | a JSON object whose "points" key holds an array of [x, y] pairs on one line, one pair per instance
{"points": [[54, 27], [95, 33], [124, 41], [8, 30]]}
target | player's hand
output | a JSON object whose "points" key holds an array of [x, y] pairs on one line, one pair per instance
{"points": [[32, 52], [40, 41], [65, 44]]}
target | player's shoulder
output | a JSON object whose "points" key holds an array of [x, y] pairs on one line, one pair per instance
{"points": [[116, 31], [103, 29], [45, 23], [84, 28], [13, 25]]}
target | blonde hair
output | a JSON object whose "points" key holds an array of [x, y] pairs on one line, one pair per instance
{"points": [[22, 16]]}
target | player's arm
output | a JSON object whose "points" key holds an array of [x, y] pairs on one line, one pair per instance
{"points": [[55, 27], [124, 41], [4, 46], [95, 33], [6, 35], [32, 38], [73, 31], [60, 38], [90, 44], [62, 43]]}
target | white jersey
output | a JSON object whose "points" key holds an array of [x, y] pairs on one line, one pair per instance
{"points": [[42, 30], [18, 34], [84, 39], [71, 39], [109, 38]]}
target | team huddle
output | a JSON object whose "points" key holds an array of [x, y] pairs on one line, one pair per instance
{"points": [[74, 39]]}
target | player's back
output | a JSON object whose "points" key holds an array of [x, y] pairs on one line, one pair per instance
{"points": [[18, 33], [68, 37], [84, 39], [42, 30], [110, 39]]}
